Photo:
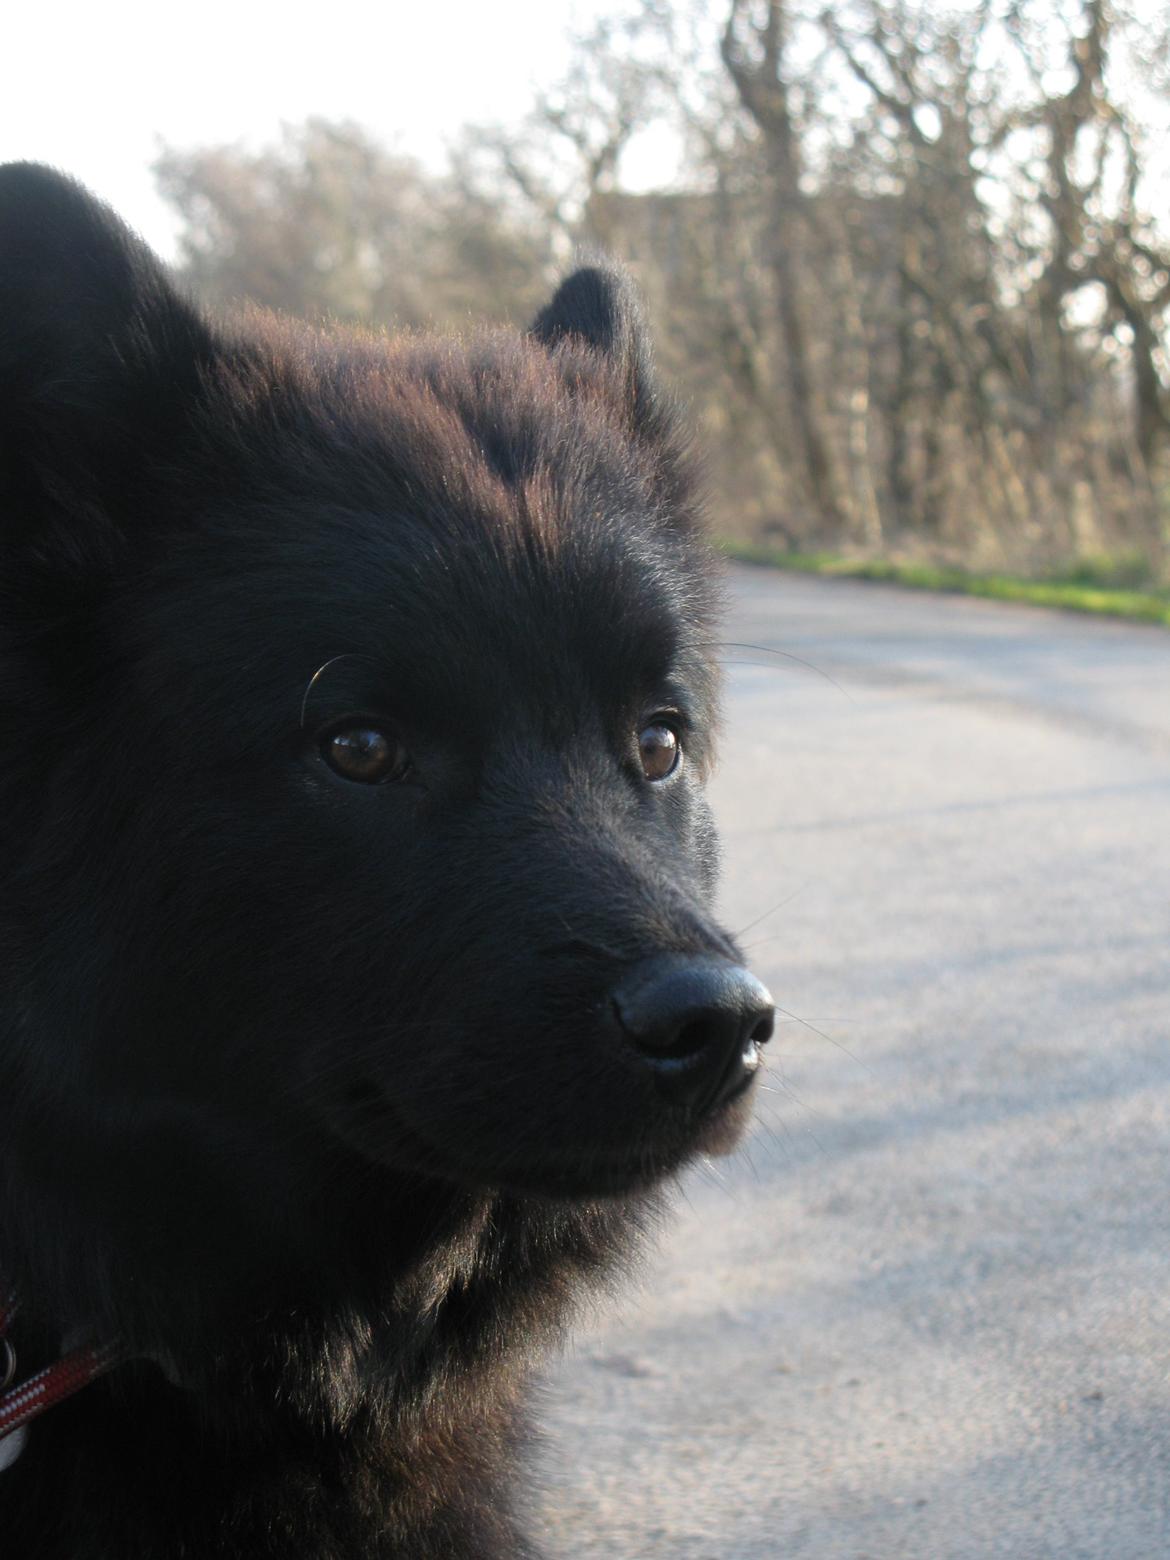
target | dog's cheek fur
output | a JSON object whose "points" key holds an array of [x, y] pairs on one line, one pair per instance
{"points": [[209, 941]]}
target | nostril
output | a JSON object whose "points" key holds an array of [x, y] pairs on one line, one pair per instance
{"points": [[762, 1031]]}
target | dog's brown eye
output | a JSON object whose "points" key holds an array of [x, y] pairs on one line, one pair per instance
{"points": [[365, 754], [659, 751]]}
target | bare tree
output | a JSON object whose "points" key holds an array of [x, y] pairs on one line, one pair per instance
{"points": [[906, 270], [329, 222]]}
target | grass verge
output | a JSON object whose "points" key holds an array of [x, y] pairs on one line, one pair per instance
{"points": [[1146, 606]]}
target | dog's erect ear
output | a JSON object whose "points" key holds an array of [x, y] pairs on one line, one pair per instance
{"points": [[598, 306], [100, 359]]}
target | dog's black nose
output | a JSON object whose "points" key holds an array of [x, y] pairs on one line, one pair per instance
{"points": [[697, 1022]]}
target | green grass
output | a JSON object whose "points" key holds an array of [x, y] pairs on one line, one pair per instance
{"points": [[1091, 585]]}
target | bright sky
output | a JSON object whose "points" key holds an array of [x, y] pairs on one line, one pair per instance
{"points": [[94, 87]]}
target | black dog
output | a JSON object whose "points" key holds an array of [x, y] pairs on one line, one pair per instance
{"points": [[358, 979]]}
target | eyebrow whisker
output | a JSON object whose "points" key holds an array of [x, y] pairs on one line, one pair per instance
{"points": [[324, 667], [787, 655]]}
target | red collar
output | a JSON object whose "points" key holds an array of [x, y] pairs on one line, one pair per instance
{"points": [[25, 1400]]}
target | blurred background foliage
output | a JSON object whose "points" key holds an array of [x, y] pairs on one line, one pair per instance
{"points": [[904, 261]]}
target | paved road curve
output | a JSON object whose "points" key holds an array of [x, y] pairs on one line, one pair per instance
{"points": [[925, 1315]]}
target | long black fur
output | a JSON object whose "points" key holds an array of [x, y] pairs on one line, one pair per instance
{"points": [[309, 1090]]}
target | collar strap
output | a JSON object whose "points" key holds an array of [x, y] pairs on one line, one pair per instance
{"points": [[28, 1399]]}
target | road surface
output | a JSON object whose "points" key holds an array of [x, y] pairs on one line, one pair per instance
{"points": [[925, 1313]]}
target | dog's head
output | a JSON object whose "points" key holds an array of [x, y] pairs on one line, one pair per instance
{"points": [[357, 700]]}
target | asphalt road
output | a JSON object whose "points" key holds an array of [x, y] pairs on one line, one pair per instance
{"points": [[925, 1313]]}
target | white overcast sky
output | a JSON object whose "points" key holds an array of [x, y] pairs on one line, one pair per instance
{"points": [[94, 87]]}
